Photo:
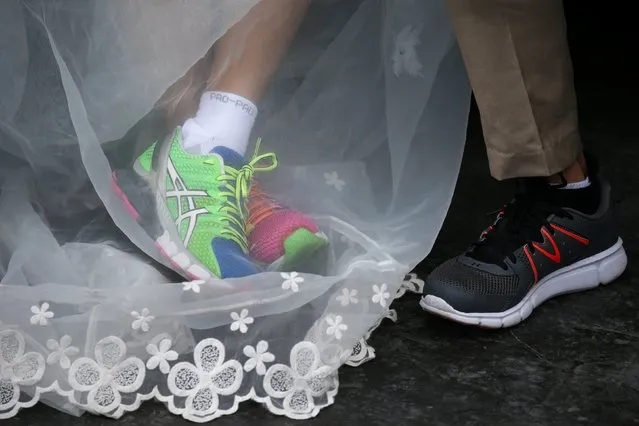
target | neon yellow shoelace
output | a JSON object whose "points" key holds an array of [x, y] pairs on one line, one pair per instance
{"points": [[235, 191]]}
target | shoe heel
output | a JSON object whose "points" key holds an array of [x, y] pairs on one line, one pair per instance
{"points": [[613, 266], [137, 198]]}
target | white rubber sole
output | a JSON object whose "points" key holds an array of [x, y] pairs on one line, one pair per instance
{"points": [[587, 274]]}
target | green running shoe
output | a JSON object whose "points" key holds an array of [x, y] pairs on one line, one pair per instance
{"points": [[194, 206]]}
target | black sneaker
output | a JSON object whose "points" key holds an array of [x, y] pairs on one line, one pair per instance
{"points": [[535, 250]]}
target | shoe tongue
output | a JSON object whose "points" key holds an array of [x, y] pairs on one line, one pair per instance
{"points": [[492, 251], [231, 157], [500, 240]]}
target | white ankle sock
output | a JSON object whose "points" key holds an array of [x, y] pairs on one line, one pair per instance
{"points": [[223, 119], [578, 185]]}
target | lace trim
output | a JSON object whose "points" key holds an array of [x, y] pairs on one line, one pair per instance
{"points": [[200, 390]]}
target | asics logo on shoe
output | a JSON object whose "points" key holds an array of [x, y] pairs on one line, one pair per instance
{"points": [[184, 198]]}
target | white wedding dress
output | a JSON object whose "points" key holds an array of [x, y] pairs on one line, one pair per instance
{"points": [[367, 116]]}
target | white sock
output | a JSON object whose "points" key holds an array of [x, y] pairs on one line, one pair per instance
{"points": [[223, 119], [578, 185]]}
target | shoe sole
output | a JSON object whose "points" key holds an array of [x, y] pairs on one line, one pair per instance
{"points": [[600, 269], [145, 212]]}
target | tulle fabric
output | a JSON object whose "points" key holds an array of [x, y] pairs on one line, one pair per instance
{"points": [[367, 115]]}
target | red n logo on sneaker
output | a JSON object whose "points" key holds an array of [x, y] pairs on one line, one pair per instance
{"points": [[556, 255], [582, 240]]}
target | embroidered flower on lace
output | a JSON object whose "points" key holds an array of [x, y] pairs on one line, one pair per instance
{"points": [[41, 314], [405, 58], [161, 355], [381, 295], [300, 383], [241, 321], [336, 327], [142, 320], [16, 368], [202, 383], [106, 377], [411, 283], [292, 281], [347, 297], [61, 352], [333, 179], [362, 352], [193, 286], [258, 357]]}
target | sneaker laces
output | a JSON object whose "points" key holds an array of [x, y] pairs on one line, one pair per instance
{"points": [[234, 190], [261, 205], [517, 224]]}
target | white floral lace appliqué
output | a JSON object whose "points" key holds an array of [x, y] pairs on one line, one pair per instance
{"points": [[17, 368], [291, 281], [347, 297], [241, 321], [336, 327], [142, 320], [300, 383], [202, 383], [61, 352], [412, 284], [258, 357], [405, 57], [41, 314], [333, 179], [109, 375], [193, 286], [161, 354], [362, 353], [381, 295]]}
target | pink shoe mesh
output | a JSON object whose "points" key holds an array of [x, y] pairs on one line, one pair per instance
{"points": [[266, 240]]}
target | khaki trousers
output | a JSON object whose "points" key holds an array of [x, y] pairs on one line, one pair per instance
{"points": [[517, 59]]}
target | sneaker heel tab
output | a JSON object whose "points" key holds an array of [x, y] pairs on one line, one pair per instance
{"points": [[606, 202]]}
